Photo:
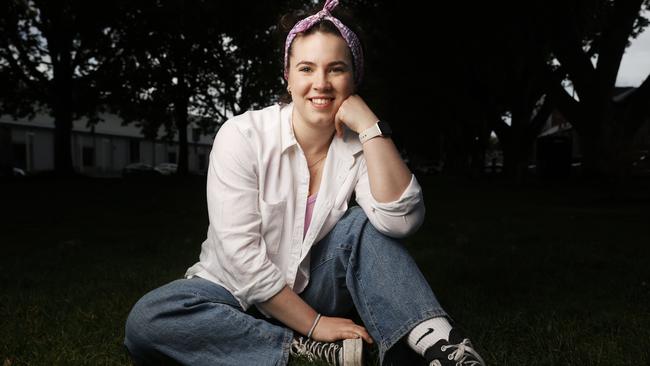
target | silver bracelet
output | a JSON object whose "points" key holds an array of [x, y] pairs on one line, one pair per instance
{"points": [[313, 326]]}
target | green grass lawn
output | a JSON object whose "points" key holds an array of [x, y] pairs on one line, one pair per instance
{"points": [[543, 275]]}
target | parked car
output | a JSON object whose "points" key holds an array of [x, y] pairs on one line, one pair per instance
{"points": [[17, 172], [9, 171], [166, 168], [431, 167], [139, 170]]}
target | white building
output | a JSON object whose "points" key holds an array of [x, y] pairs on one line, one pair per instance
{"points": [[102, 150]]}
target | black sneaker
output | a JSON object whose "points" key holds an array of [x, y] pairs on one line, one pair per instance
{"points": [[348, 352], [458, 351]]}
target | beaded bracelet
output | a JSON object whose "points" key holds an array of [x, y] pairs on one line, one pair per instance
{"points": [[313, 326]]}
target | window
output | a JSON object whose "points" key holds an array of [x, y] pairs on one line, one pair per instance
{"points": [[88, 155], [134, 151]]}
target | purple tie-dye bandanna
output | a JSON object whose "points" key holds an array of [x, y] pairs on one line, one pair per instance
{"points": [[350, 38]]}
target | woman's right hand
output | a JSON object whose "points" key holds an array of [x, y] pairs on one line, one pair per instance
{"points": [[332, 329]]}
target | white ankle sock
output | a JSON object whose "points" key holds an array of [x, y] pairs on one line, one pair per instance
{"points": [[427, 333]]}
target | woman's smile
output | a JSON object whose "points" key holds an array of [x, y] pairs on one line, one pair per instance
{"points": [[322, 103]]}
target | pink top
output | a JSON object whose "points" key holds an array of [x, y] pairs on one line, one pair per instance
{"points": [[311, 200]]}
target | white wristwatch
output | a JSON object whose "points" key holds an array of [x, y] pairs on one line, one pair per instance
{"points": [[380, 128]]}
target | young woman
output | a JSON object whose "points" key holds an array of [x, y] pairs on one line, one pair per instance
{"points": [[286, 261]]}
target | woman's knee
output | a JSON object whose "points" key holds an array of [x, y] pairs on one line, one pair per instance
{"points": [[165, 316], [151, 320], [375, 241], [351, 224], [356, 222], [356, 214], [140, 329]]}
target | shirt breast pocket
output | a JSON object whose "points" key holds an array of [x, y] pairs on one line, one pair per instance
{"points": [[272, 224]]}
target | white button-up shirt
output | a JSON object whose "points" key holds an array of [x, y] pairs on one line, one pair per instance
{"points": [[257, 189]]}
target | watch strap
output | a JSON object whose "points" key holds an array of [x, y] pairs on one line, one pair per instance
{"points": [[371, 132]]}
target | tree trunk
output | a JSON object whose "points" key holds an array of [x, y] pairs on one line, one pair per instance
{"points": [[478, 150], [62, 107], [603, 147], [517, 149], [62, 139], [180, 111], [600, 124], [59, 41], [515, 159]]}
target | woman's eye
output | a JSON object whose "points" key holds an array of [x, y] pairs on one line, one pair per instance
{"points": [[305, 69], [338, 69]]}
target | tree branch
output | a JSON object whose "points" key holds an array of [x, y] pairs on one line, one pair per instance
{"points": [[569, 107], [613, 43], [29, 67], [540, 118], [568, 50], [20, 71]]}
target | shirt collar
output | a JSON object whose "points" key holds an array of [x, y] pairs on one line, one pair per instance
{"points": [[349, 142], [288, 139]]}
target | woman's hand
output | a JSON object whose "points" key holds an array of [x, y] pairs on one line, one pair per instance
{"points": [[355, 114], [332, 329]]}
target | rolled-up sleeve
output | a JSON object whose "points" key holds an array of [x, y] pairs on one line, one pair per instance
{"points": [[235, 219], [396, 219]]}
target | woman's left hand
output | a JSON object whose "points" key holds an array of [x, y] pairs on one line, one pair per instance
{"points": [[355, 114]]}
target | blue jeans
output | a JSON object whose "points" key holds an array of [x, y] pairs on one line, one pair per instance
{"points": [[356, 272]]}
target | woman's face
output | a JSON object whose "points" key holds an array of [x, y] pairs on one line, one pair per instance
{"points": [[320, 77]]}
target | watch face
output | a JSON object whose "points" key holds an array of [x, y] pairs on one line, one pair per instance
{"points": [[384, 128]]}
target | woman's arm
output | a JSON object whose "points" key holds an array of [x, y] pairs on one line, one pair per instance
{"points": [[234, 251], [287, 307], [388, 174], [387, 190]]}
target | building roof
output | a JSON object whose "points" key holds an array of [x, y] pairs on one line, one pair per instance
{"points": [[110, 126]]}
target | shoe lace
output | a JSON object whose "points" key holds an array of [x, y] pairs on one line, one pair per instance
{"points": [[316, 350], [459, 354]]}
